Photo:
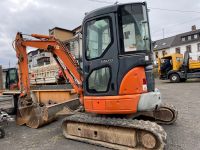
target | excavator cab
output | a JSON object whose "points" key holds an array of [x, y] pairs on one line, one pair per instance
{"points": [[117, 58], [10, 76], [118, 82]]}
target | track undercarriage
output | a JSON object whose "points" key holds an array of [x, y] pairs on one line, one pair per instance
{"points": [[121, 133]]}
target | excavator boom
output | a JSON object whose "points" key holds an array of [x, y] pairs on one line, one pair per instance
{"points": [[49, 44], [30, 110]]}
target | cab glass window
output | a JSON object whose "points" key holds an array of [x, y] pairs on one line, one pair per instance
{"points": [[98, 80], [134, 28], [179, 59], [98, 37], [13, 76]]}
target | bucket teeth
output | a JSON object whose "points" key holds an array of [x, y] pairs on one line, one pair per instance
{"points": [[35, 116]]}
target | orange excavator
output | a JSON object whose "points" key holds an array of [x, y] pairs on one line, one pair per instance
{"points": [[119, 102]]}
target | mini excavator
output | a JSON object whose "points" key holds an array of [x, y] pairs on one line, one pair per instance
{"points": [[120, 106]]}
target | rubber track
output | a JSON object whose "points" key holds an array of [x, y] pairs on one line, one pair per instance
{"points": [[148, 126]]}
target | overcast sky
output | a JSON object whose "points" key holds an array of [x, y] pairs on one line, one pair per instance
{"points": [[38, 16]]}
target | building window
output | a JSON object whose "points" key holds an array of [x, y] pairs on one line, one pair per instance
{"points": [[183, 39], [178, 50], [188, 48], [43, 61], [51, 32], [164, 53], [195, 36], [156, 54], [198, 47], [189, 37]]}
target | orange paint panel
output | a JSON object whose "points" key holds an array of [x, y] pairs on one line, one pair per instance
{"points": [[98, 104], [132, 83], [88, 104], [125, 104]]}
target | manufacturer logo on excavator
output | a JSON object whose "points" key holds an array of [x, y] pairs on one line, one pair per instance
{"points": [[106, 60]]}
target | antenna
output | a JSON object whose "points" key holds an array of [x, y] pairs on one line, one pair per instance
{"points": [[116, 3]]}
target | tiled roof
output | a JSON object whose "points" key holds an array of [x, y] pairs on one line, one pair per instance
{"points": [[163, 43], [176, 40]]}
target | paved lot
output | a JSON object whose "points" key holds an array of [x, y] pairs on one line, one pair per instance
{"points": [[183, 135]]}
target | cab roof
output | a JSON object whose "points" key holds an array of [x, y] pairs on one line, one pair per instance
{"points": [[106, 10]]}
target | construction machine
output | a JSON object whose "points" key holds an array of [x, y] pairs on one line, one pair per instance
{"points": [[7, 80], [10, 79], [10, 88], [115, 87], [177, 68], [44, 92]]}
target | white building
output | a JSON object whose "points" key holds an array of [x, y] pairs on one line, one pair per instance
{"points": [[42, 66], [188, 41], [39, 58]]}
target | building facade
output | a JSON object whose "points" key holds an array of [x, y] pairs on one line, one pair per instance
{"points": [[71, 38], [39, 58], [188, 41], [43, 67]]}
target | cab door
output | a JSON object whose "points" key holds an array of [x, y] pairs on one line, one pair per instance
{"points": [[100, 57]]}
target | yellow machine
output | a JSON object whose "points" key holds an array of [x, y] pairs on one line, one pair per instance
{"points": [[176, 61], [178, 68], [194, 64]]}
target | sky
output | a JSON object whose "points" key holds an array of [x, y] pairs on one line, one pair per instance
{"points": [[167, 18]]}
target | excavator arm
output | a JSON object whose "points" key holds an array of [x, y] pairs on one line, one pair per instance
{"points": [[32, 109], [62, 55]]}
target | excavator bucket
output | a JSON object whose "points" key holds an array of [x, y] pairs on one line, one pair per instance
{"points": [[46, 107]]}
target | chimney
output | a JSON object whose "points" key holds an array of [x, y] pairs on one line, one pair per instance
{"points": [[194, 28]]}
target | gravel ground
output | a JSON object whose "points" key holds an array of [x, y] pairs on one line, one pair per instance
{"points": [[183, 135]]}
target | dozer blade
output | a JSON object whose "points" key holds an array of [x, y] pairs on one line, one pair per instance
{"points": [[114, 133], [35, 116], [165, 114]]}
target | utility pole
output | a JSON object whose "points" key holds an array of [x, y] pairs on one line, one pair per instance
{"points": [[9, 64]]}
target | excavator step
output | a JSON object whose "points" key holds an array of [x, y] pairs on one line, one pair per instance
{"points": [[115, 133]]}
